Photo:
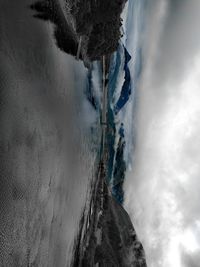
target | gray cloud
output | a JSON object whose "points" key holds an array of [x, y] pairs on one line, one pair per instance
{"points": [[180, 40], [190, 260], [162, 190]]}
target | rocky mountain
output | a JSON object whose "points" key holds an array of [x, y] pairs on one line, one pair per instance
{"points": [[92, 25], [106, 235], [90, 29]]}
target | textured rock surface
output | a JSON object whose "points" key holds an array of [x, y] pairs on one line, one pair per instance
{"points": [[106, 235], [97, 23]]}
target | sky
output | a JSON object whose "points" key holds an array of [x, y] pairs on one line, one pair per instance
{"points": [[162, 188]]}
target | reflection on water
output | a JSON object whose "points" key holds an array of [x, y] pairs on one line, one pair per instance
{"points": [[46, 159]]}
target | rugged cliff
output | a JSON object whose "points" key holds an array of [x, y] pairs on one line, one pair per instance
{"points": [[106, 235], [94, 25]]}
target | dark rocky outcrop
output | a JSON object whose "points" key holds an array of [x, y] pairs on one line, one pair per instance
{"points": [[98, 22], [65, 37], [95, 22], [106, 235]]}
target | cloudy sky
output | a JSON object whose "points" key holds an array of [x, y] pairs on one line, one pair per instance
{"points": [[162, 190]]}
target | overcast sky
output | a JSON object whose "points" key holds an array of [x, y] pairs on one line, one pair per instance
{"points": [[163, 189]]}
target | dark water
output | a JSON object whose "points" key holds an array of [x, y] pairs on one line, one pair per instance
{"points": [[46, 159]]}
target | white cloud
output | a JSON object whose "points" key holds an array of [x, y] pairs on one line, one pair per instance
{"points": [[162, 190]]}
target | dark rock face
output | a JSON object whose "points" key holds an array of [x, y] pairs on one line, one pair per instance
{"points": [[50, 10], [106, 235], [97, 23]]}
